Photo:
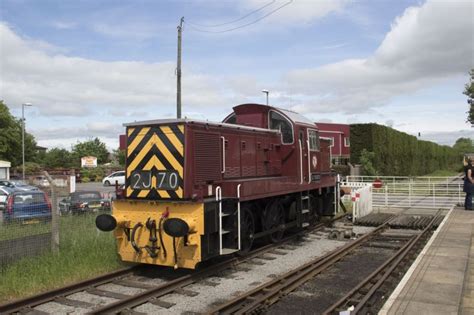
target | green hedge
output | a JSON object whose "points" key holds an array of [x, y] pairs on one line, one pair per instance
{"points": [[400, 154]]}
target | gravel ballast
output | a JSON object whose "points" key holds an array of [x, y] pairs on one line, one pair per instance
{"points": [[238, 282]]}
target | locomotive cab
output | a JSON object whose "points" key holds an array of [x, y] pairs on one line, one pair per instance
{"points": [[198, 189], [297, 134]]}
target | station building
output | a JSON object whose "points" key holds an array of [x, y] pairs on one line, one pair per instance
{"points": [[5, 170], [339, 135]]}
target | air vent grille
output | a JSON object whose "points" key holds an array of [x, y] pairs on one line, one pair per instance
{"points": [[207, 157]]}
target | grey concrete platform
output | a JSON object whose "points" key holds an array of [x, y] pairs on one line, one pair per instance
{"points": [[441, 280]]}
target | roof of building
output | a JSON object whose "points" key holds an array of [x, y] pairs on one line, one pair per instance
{"points": [[5, 164]]}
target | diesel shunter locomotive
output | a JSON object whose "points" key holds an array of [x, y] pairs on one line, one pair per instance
{"points": [[197, 189]]}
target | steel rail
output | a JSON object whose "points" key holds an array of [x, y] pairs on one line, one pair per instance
{"points": [[179, 283], [392, 268], [30, 302], [270, 292], [386, 269]]}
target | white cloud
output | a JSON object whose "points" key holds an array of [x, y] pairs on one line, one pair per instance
{"points": [[300, 11], [62, 25], [426, 45], [72, 86], [447, 137], [90, 130], [270, 15]]}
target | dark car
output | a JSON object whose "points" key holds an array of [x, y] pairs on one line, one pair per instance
{"points": [[83, 201], [27, 207]]}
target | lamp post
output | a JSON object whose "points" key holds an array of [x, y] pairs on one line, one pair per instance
{"points": [[266, 92], [23, 135]]}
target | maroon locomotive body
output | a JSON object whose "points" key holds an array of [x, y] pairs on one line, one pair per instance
{"points": [[211, 189]]}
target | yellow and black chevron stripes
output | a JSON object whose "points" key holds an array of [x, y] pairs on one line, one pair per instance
{"points": [[155, 148]]}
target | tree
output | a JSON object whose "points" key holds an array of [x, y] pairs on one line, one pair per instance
{"points": [[10, 139], [92, 147], [464, 145], [367, 162], [469, 92], [57, 157], [120, 156]]}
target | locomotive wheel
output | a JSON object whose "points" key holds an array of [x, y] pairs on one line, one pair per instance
{"points": [[247, 225], [274, 216]]}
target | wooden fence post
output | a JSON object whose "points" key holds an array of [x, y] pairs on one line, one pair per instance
{"points": [[72, 181], [54, 215]]}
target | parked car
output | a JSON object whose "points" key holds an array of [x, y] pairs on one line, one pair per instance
{"points": [[4, 192], [41, 181], [27, 207], [117, 177], [83, 201], [18, 185]]}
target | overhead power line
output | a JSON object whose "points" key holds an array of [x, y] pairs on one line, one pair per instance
{"points": [[237, 20], [243, 25]]}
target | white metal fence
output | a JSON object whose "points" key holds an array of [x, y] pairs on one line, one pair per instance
{"points": [[420, 192], [404, 179]]}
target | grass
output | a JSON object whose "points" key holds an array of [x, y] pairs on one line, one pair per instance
{"points": [[17, 230], [443, 173], [84, 252]]}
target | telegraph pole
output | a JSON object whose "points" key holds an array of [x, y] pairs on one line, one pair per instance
{"points": [[178, 70]]}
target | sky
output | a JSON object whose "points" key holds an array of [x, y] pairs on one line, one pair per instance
{"points": [[89, 66]]}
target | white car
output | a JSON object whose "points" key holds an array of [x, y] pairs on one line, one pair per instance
{"points": [[117, 177], [4, 192]]}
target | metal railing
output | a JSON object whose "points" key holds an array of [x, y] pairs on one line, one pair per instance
{"points": [[424, 192], [419, 194], [403, 179]]}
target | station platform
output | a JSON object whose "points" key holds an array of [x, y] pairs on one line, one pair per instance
{"points": [[441, 280]]}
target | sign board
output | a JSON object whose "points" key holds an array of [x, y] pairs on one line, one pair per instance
{"points": [[89, 161], [377, 183]]}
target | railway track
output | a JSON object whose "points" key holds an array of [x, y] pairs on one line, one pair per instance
{"points": [[264, 295], [365, 297], [149, 293], [59, 295], [271, 292]]}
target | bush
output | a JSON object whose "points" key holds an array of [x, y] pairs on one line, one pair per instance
{"points": [[94, 174], [85, 179], [367, 162], [343, 170], [31, 168], [399, 154]]}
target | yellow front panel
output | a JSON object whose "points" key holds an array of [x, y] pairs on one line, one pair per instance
{"points": [[128, 213], [155, 149]]}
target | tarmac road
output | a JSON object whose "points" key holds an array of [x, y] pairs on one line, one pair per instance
{"points": [[96, 186]]}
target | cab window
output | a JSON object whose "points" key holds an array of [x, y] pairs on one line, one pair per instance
{"points": [[232, 119], [313, 137], [278, 122]]}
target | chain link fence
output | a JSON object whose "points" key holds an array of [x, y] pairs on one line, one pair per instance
{"points": [[42, 215]]}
